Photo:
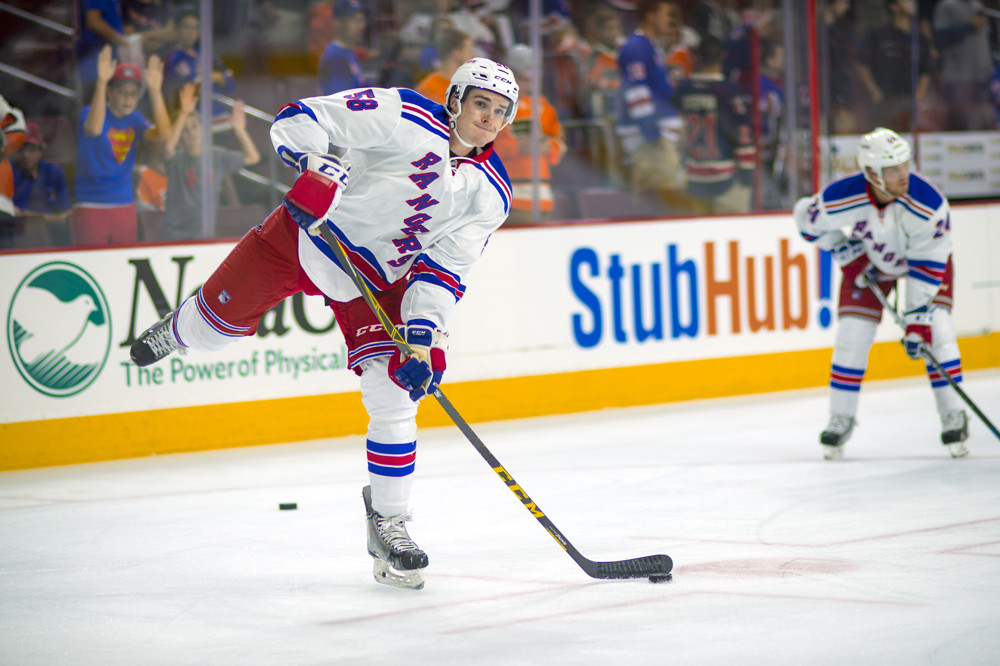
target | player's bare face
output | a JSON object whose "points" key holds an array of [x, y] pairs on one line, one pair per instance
{"points": [[123, 98], [896, 179], [482, 117]]}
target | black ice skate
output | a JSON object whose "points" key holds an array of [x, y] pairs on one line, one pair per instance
{"points": [[837, 432], [156, 342], [954, 432], [397, 559]]}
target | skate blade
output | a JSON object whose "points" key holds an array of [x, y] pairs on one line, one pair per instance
{"points": [[385, 574], [957, 449], [833, 452]]}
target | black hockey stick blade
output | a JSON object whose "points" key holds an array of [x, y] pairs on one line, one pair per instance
{"points": [[925, 350], [655, 567]]}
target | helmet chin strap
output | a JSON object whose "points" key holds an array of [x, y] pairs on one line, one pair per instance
{"points": [[454, 130]]}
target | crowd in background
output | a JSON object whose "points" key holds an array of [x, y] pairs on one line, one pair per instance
{"points": [[670, 107]]}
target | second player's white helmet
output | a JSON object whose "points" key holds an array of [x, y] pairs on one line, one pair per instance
{"points": [[878, 149], [486, 74]]}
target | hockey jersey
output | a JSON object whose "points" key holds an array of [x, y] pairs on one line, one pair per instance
{"points": [[910, 237], [410, 210], [646, 90], [719, 145]]}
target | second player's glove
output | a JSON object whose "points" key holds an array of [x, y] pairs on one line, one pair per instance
{"points": [[420, 373], [848, 251], [317, 191], [918, 331]]}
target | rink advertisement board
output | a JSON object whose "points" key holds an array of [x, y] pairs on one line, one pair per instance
{"points": [[544, 307]]}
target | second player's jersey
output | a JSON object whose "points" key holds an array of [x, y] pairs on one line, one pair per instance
{"points": [[410, 209], [718, 141], [909, 237]]}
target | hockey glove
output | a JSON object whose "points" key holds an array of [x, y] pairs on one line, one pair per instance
{"points": [[420, 373], [316, 191], [871, 275], [918, 331], [848, 251]]}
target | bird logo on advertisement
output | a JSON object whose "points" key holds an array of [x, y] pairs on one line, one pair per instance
{"points": [[59, 329]]}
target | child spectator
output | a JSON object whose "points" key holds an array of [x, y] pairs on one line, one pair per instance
{"points": [[514, 145], [183, 150], [40, 187], [109, 134], [151, 178]]}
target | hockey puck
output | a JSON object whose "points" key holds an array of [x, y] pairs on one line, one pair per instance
{"points": [[288, 506], [661, 578]]}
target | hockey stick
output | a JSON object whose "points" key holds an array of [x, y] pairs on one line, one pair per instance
{"points": [[654, 567], [926, 352]]}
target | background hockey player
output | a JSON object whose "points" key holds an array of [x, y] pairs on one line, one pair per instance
{"points": [[412, 194], [897, 229]]}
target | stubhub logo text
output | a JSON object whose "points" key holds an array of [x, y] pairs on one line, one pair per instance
{"points": [[719, 290]]}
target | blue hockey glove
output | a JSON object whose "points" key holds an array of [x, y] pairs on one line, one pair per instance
{"points": [[918, 331], [420, 373], [317, 191]]}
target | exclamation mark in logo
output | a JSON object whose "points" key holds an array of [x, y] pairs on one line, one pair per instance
{"points": [[825, 288]]}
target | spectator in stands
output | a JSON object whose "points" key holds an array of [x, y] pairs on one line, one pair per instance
{"points": [[429, 58], [885, 68], [12, 136], [183, 218], [150, 20], [961, 31], [603, 32], [772, 112], [515, 148], [454, 48], [40, 187], [184, 66], [720, 155], [680, 61], [101, 24], [649, 126], [995, 93], [417, 32], [339, 68], [842, 47], [109, 133], [151, 178]]}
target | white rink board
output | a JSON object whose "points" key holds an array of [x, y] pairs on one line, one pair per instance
{"points": [[532, 308]]}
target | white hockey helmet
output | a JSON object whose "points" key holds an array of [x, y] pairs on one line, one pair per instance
{"points": [[878, 149], [486, 74]]}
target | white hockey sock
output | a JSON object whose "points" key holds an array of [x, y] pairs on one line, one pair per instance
{"points": [[850, 360], [945, 350], [392, 438], [195, 330]]}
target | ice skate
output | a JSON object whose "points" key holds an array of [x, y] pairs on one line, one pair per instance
{"points": [[954, 432], [156, 342], [837, 432], [398, 560]]}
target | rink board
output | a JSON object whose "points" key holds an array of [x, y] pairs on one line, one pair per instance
{"points": [[555, 320]]}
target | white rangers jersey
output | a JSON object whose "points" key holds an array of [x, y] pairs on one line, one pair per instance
{"points": [[910, 237], [409, 210]]}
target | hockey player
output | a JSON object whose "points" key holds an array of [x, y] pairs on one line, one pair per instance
{"points": [[413, 215], [898, 227]]}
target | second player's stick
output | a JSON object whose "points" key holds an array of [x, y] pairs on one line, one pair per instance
{"points": [[926, 351], [654, 567]]}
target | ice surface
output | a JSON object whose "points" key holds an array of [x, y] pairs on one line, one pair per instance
{"points": [[890, 556]]}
